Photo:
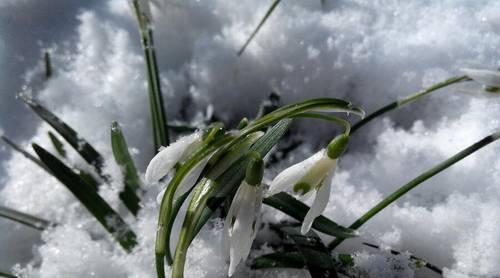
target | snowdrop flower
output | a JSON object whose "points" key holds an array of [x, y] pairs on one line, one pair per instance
{"points": [[486, 77], [168, 157], [313, 175], [243, 218]]}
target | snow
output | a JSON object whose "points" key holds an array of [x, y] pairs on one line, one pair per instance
{"points": [[369, 52]]}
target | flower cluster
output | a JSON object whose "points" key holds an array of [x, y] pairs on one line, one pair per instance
{"points": [[312, 176]]}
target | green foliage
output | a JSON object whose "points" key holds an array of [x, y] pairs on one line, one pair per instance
{"points": [[24, 218], [157, 110], [261, 23], [58, 145], [70, 135], [89, 198], [298, 210], [130, 178], [26, 154]]}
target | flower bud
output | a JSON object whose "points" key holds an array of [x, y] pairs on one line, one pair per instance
{"points": [[255, 171], [337, 146]]}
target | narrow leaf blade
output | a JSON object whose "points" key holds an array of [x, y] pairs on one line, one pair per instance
{"points": [[70, 135], [129, 172], [316, 255], [89, 198], [58, 145], [24, 218], [298, 210]]}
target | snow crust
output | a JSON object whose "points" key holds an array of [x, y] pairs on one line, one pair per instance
{"points": [[369, 52]]}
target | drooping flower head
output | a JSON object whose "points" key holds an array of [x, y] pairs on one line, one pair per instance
{"points": [[243, 218], [312, 176], [488, 78], [176, 153]]}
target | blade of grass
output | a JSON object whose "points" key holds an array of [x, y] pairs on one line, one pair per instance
{"points": [[70, 135], [89, 198], [279, 260], [316, 255], [47, 64], [129, 172], [420, 262], [25, 153], [6, 274], [58, 145], [167, 206], [415, 182], [231, 178], [298, 210], [85, 176], [261, 23], [406, 100], [158, 116], [24, 218]]}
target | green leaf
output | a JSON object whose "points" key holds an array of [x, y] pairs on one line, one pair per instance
{"points": [[47, 64], [310, 105], [129, 172], [298, 210], [58, 145], [89, 198], [316, 256], [77, 142], [6, 274], [162, 247], [261, 23], [418, 261], [88, 179], [195, 208], [158, 116], [230, 180], [25, 153], [213, 196], [24, 218], [181, 127], [279, 260], [401, 191]]}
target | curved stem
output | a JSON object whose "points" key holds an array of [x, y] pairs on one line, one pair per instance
{"points": [[415, 182], [407, 100], [340, 121]]}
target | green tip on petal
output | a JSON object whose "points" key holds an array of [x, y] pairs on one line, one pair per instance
{"points": [[337, 146], [302, 188], [255, 170]]}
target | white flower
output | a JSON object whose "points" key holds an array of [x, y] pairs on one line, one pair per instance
{"points": [[313, 175], [485, 77], [168, 157], [242, 223]]}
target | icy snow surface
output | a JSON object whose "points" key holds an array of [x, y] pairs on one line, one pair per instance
{"points": [[369, 52]]}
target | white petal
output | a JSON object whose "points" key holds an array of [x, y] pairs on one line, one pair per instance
{"points": [[291, 175], [243, 211], [319, 204], [165, 160], [485, 77], [160, 195], [318, 172], [191, 177]]}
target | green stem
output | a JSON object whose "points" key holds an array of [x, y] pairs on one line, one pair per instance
{"points": [[157, 110], [340, 121], [25, 153], [407, 100], [6, 274], [262, 21], [415, 182]]}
